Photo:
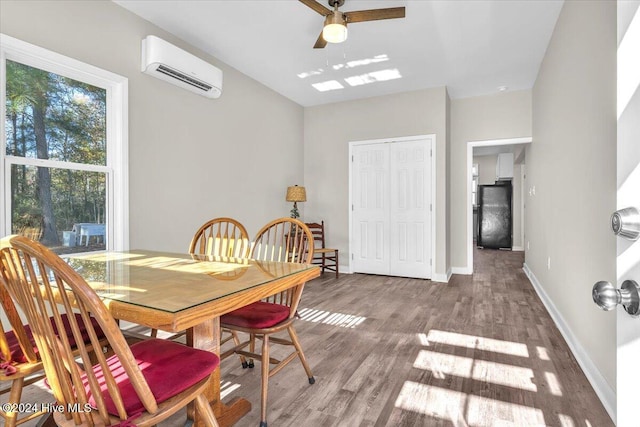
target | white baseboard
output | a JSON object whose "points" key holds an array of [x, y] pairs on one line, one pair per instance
{"points": [[442, 278], [518, 248], [462, 270], [602, 388]]}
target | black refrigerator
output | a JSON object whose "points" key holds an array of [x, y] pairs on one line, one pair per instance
{"points": [[495, 219]]}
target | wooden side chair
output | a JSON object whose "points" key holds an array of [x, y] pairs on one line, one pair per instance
{"points": [[221, 237], [19, 361], [325, 257], [282, 240], [225, 237], [139, 385]]}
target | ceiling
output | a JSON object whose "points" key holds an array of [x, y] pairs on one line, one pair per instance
{"points": [[474, 47]]}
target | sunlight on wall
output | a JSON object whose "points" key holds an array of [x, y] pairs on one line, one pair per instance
{"points": [[329, 318], [480, 343], [481, 370]]}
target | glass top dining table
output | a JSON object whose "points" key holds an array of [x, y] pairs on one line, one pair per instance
{"points": [[174, 292]]}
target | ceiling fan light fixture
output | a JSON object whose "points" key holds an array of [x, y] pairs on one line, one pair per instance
{"points": [[335, 28]]}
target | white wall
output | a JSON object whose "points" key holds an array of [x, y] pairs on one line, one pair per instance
{"points": [[499, 116], [328, 129], [572, 164], [191, 158]]}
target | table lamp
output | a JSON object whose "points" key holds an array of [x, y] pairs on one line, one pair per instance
{"points": [[296, 194]]}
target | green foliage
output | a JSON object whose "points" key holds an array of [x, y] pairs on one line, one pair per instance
{"points": [[74, 129]]}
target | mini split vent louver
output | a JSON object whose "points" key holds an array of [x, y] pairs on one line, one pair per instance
{"points": [[167, 62]]}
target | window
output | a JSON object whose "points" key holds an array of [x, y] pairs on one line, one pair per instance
{"points": [[63, 151]]}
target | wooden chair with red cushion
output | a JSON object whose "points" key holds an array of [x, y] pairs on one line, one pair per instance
{"points": [[224, 237], [139, 385], [281, 240], [19, 361]]}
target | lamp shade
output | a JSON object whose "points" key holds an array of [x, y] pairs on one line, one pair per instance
{"points": [[296, 194]]}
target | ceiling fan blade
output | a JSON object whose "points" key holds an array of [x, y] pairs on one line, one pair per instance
{"points": [[313, 4], [374, 14], [320, 43]]}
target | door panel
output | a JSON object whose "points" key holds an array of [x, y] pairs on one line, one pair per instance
{"points": [[370, 189], [410, 241], [628, 259], [391, 215]]}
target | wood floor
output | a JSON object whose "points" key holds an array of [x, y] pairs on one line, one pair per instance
{"points": [[478, 351]]}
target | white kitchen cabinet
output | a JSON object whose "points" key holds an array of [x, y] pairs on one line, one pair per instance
{"points": [[504, 166]]}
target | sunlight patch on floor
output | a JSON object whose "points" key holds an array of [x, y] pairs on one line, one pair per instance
{"points": [[476, 411], [480, 370], [480, 343], [330, 318], [543, 354], [553, 383], [227, 387]]}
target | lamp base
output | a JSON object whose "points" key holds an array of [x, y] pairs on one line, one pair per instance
{"points": [[294, 212]]}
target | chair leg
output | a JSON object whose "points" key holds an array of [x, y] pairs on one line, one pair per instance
{"points": [[265, 381], [337, 268], [324, 262], [303, 359], [189, 337], [252, 349], [14, 399], [206, 412], [236, 342]]}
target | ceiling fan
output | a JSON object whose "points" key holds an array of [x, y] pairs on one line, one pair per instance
{"points": [[335, 23]]}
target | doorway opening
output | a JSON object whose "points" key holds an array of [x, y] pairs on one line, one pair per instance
{"points": [[496, 146]]}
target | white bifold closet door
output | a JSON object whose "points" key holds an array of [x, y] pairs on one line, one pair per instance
{"points": [[391, 209]]}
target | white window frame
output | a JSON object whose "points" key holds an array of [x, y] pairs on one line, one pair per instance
{"points": [[116, 168]]}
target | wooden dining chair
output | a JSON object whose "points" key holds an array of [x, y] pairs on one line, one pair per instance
{"points": [[139, 385], [281, 240], [19, 361], [221, 237], [225, 237], [325, 257]]}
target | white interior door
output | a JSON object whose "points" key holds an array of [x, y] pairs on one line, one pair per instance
{"points": [[370, 207], [391, 208], [410, 216], [628, 258]]}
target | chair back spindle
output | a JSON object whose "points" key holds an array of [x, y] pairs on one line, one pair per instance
{"points": [[224, 237]]}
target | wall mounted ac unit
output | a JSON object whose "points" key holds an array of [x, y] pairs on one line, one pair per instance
{"points": [[167, 62]]}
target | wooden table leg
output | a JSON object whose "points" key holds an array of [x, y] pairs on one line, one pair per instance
{"points": [[206, 336]]}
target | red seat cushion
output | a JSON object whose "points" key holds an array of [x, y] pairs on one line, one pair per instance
{"points": [[258, 315], [17, 355], [168, 367]]}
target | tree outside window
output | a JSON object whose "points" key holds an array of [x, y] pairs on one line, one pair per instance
{"points": [[64, 162]]}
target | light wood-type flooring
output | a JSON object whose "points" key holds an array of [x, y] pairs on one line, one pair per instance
{"points": [[387, 351]]}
